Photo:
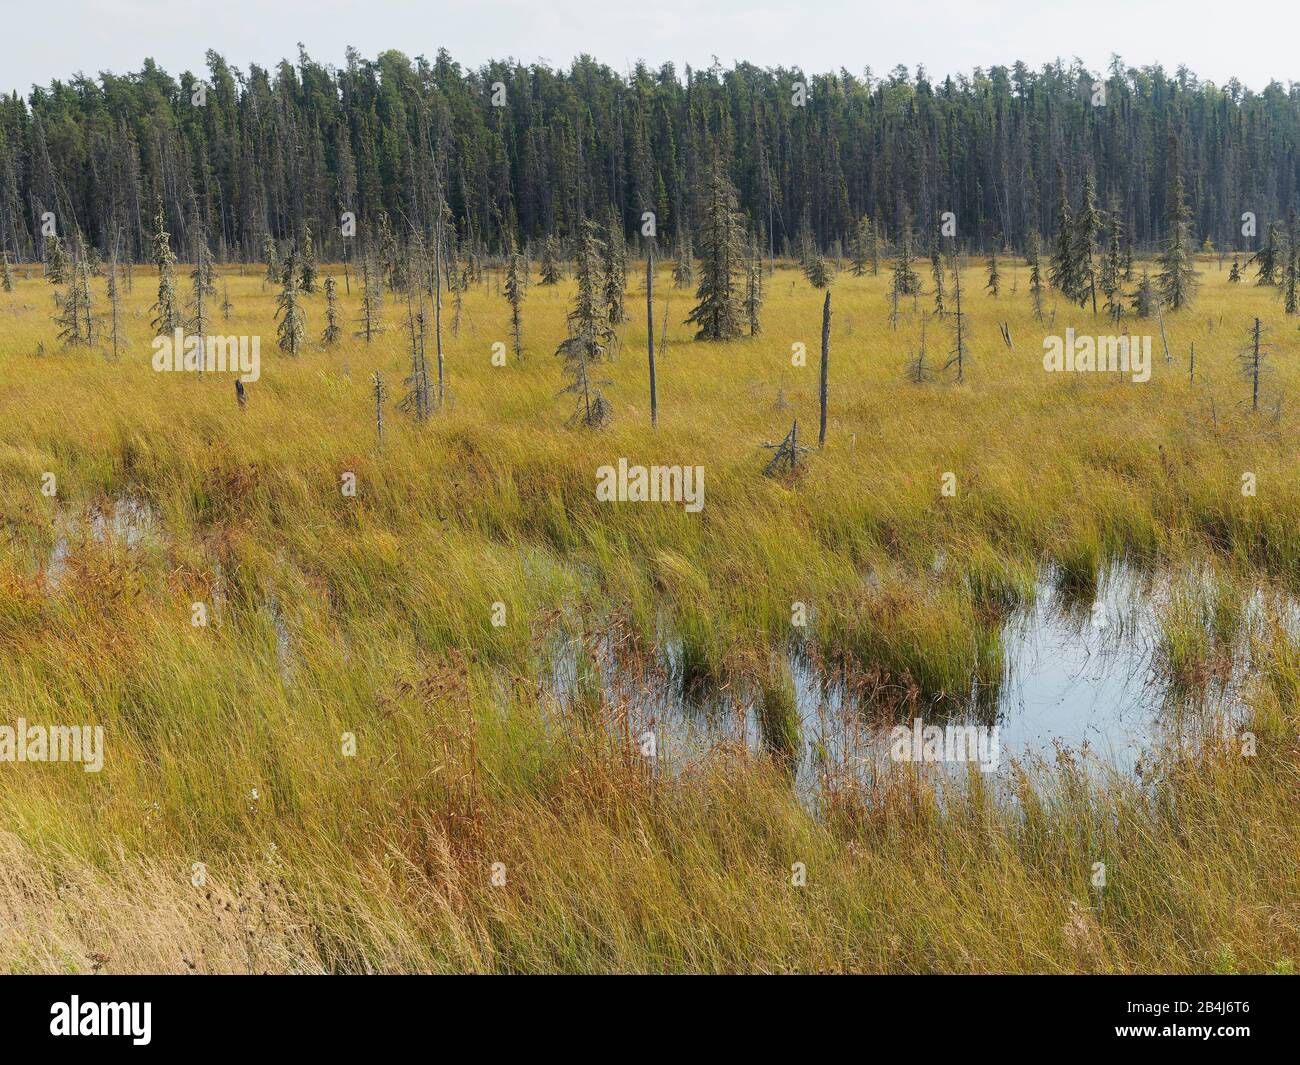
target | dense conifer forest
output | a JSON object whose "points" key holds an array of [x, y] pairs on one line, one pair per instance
{"points": [[240, 155]]}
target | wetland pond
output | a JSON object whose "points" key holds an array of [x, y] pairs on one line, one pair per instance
{"points": [[1083, 674]]}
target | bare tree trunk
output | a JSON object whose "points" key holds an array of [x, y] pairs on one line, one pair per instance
{"points": [[826, 366], [650, 332]]}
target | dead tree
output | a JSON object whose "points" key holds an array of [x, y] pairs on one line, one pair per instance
{"points": [[650, 332], [786, 459], [826, 368]]}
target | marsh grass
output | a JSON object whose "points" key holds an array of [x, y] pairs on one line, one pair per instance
{"points": [[380, 607]]}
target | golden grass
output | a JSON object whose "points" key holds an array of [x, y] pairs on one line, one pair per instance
{"points": [[384, 861]]}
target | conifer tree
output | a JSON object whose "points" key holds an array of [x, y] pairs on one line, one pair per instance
{"points": [[390, 258], [330, 336], [6, 273], [814, 268], [308, 256], [1034, 257], [1251, 361], [936, 272], [1063, 271], [550, 265], [417, 401], [1145, 302], [1087, 224], [114, 305], [615, 272], [1289, 277], [906, 282], [202, 285], [74, 317], [861, 246], [1234, 275], [958, 355], [754, 288], [167, 315], [1177, 267], [56, 260], [272, 256], [994, 285], [289, 312], [1266, 259], [589, 336], [1110, 277], [684, 267], [372, 298], [457, 284], [718, 313], [515, 297]]}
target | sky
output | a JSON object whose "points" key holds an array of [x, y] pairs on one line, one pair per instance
{"points": [[1216, 40]]}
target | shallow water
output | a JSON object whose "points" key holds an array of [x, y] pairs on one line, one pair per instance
{"points": [[1080, 674], [128, 520]]}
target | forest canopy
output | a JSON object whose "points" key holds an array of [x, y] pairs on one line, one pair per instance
{"points": [[531, 151]]}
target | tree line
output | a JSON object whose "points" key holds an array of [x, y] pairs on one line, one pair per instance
{"points": [[530, 153]]}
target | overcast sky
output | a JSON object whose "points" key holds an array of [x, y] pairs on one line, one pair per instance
{"points": [[1218, 40]]}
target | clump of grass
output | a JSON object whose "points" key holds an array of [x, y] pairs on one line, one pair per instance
{"points": [[776, 707]]}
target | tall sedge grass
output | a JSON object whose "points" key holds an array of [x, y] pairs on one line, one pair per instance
{"points": [[373, 616]]}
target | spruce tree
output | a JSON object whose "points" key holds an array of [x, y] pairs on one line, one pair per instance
{"points": [[330, 336], [905, 280], [1063, 271], [815, 269], [1087, 224], [754, 288], [936, 273], [1266, 259], [417, 401], [1111, 275], [6, 273], [1145, 302], [308, 255], [1234, 275], [615, 270], [515, 297], [1177, 267], [201, 286], [684, 267], [958, 356], [114, 305], [550, 265], [289, 312], [1033, 256], [272, 256], [56, 260], [861, 246], [718, 313], [994, 285], [167, 315], [74, 318], [589, 335], [372, 298]]}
